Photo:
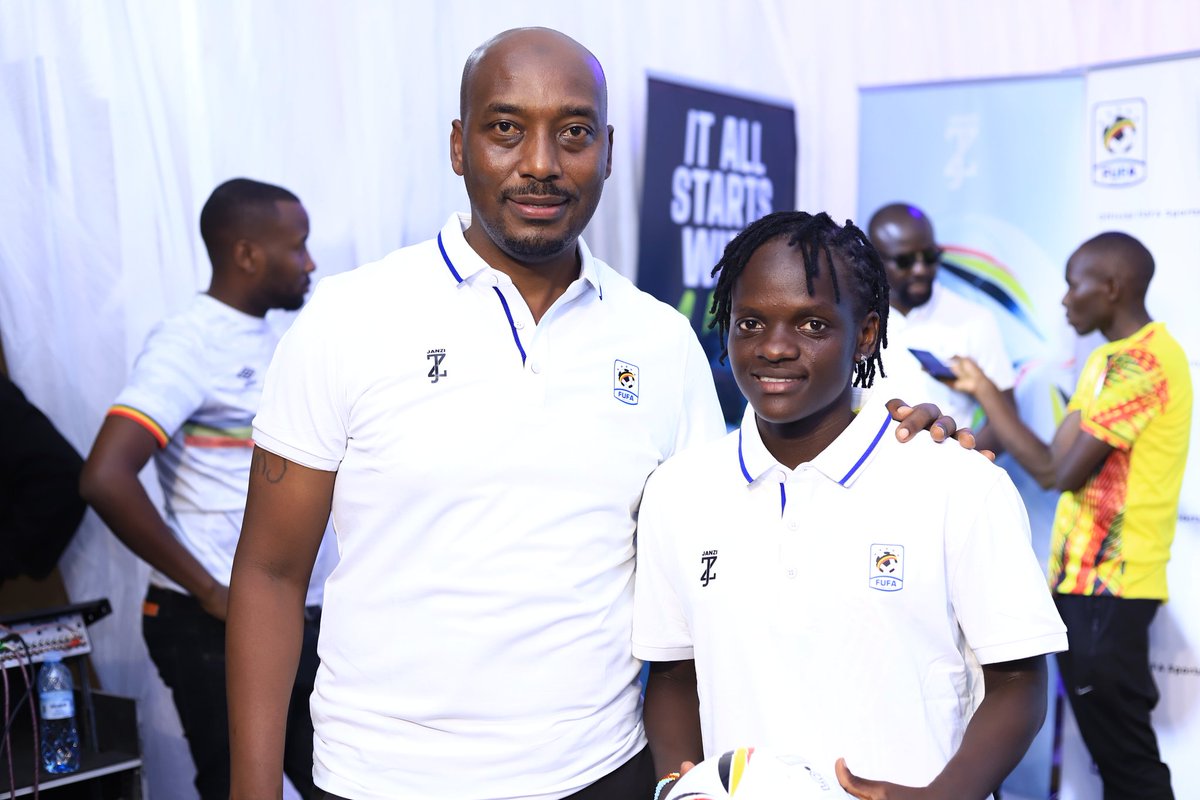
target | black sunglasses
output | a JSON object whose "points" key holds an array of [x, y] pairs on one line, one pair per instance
{"points": [[906, 261]]}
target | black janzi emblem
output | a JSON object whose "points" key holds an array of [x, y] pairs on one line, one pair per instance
{"points": [[709, 559], [437, 356]]}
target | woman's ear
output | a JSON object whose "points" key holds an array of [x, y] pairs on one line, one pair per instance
{"points": [[868, 336]]}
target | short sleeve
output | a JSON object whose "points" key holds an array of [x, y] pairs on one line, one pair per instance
{"points": [[996, 584], [701, 419], [1133, 392], [302, 415], [660, 629], [168, 382]]}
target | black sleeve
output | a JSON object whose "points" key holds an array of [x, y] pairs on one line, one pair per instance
{"points": [[40, 507]]}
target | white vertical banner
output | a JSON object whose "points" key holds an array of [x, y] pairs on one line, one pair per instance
{"points": [[1143, 129], [997, 167]]}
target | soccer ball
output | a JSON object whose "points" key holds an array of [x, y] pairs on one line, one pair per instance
{"points": [[751, 773]]}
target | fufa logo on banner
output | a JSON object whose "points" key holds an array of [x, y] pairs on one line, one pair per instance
{"points": [[1119, 142]]}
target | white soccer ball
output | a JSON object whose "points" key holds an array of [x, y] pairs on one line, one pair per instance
{"points": [[751, 773]]}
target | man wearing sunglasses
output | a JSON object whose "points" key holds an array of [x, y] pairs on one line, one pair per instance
{"points": [[931, 318]]}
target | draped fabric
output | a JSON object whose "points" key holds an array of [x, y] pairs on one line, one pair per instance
{"points": [[118, 118]]}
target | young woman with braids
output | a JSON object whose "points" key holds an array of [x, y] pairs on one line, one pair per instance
{"points": [[836, 592]]}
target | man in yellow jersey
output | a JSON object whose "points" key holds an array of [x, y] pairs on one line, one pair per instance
{"points": [[1119, 458]]}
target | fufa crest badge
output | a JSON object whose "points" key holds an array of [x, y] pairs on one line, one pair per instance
{"points": [[625, 382], [887, 567], [1119, 142]]}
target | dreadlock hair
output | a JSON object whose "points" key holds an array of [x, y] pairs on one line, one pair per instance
{"points": [[814, 236]]}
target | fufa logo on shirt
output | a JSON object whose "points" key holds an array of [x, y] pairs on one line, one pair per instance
{"points": [[625, 382], [887, 567]]}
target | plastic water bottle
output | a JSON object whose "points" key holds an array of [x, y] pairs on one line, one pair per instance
{"points": [[56, 696]]}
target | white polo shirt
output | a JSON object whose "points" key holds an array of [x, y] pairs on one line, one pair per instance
{"points": [[948, 325], [475, 638], [195, 387], [839, 609]]}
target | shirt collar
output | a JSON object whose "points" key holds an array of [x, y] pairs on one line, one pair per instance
{"points": [[229, 312], [463, 263], [842, 461], [1141, 333]]}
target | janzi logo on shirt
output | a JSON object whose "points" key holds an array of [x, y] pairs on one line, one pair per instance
{"points": [[246, 374], [887, 567], [437, 356], [709, 559], [625, 382]]}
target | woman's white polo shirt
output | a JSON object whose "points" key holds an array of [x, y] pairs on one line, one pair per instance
{"points": [[838, 609]]}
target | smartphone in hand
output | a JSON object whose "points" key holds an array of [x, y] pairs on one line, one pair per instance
{"points": [[931, 364]]}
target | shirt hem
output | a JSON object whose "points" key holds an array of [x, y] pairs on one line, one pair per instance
{"points": [[647, 653], [1026, 648], [301, 457]]}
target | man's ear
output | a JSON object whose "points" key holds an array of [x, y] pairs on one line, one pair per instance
{"points": [[608, 164], [1115, 285], [246, 256], [456, 150]]}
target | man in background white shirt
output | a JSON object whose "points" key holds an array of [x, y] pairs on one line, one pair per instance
{"points": [[935, 319], [188, 403]]}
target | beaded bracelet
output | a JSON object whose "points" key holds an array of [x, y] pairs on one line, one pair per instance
{"points": [[669, 778]]}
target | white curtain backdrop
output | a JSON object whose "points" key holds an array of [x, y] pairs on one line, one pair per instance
{"points": [[118, 118]]}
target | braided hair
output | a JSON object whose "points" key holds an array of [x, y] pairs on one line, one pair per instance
{"points": [[813, 235]]}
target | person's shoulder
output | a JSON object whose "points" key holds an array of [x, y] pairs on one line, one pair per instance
{"points": [[1159, 340], [945, 464], [938, 482], [185, 328], [405, 266], [179, 355], [699, 465], [392, 281], [626, 298]]}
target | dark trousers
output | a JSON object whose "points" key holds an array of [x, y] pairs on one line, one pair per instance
{"points": [[188, 647], [1107, 679], [633, 780]]}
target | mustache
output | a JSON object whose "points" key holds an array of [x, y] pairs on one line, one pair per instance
{"points": [[536, 189]]}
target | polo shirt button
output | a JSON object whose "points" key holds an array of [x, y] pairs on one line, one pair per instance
{"points": [[519, 325], [535, 367], [791, 572], [794, 525]]}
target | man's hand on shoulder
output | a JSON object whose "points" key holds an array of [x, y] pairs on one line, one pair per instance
{"points": [[928, 417]]}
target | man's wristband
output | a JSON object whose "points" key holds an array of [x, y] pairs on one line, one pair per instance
{"points": [[667, 780]]}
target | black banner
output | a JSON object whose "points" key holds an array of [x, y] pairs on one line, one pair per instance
{"points": [[715, 162]]}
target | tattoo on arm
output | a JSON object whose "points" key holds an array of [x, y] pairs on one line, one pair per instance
{"points": [[260, 464]]}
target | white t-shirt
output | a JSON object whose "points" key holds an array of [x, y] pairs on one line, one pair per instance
{"points": [[948, 325], [839, 609], [475, 638], [195, 388]]}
